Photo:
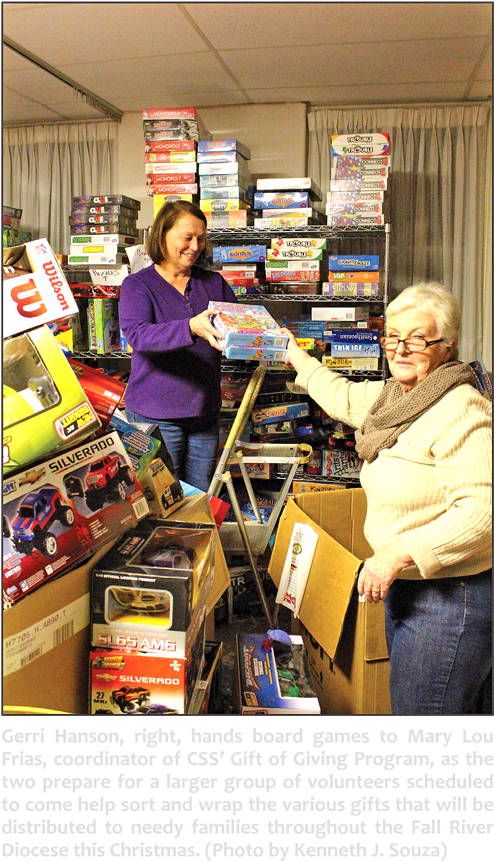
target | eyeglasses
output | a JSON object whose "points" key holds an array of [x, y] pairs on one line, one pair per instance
{"points": [[412, 345]]}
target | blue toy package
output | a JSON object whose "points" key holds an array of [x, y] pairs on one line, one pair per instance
{"points": [[339, 348], [239, 254], [274, 676]]}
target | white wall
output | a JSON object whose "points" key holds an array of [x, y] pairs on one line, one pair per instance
{"points": [[276, 135]]}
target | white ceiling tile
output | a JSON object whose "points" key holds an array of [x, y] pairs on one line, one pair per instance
{"points": [[58, 31], [34, 114], [359, 94], [12, 60], [484, 71], [12, 98], [434, 60], [38, 85], [266, 25], [77, 110], [126, 77], [197, 99]]}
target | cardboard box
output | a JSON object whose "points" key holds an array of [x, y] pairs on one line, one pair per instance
{"points": [[185, 177], [356, 363], [114, 239], [46, 643], [344, 638], [58, 512], [364, 185], [293, 275], [172, 167], [353, 263], [44, 406], [295, 254], [352, 313], [299, 487], [113, 258], [39, 295], [171, 114], [356, 197], [107, 199], [283, 221], [83, 229], [172, 188], [356, 220], [275, 680], [223, 192], [214, 181], [237, 218], [221, 157]]}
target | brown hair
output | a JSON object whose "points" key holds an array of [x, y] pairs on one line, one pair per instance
{"points": [[168, 216]]}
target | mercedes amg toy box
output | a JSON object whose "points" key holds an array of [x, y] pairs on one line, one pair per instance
{"points": [[58, 512], [127, 682], [151, 589]]}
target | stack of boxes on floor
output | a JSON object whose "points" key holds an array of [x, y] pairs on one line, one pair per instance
{"points": [[77, 478], [170, 143], [224, 181], [102, 228], [12, 233]]}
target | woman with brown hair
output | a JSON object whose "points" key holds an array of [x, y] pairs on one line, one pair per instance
{"points": [[176, 360]]}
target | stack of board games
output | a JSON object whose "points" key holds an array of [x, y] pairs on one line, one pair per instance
{"points": [[243, 278], [101, 227], [360, 165], [170, 144], [12, 233], [295, 265], [287, 203], [248, 332], [224, 178]]}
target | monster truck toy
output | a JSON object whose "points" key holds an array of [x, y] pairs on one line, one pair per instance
{"points": [[30, 528], [128, 698], [105, 482]]}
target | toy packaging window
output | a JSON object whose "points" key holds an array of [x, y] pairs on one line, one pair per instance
{"points": [[27, 385], [135, 605]]}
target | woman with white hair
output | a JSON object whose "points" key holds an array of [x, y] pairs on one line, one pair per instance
{"points": [[425, 438]]}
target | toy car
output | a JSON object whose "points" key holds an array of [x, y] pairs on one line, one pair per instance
{"points": [[105, 483], [153, 709], [126, 698], [141, 600], [170, 558], [37, 512]]}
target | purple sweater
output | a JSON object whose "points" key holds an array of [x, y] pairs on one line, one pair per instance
{"points": [[173, 374]]}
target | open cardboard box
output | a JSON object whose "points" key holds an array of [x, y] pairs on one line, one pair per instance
{"points": [[345, 638], [46, 643]]}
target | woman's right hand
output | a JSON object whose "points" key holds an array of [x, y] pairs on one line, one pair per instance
{"points": [[201, 326], [295, 356]]}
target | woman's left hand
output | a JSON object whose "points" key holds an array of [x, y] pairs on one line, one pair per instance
{"points": [[379, 571]]}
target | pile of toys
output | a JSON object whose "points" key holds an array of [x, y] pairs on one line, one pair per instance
{"points": [[77, 479]]}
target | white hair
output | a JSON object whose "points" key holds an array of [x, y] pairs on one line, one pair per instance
{"points": [[436, 301]]}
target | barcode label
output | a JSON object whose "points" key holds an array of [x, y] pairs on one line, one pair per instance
{"points": [[27, 659], [141, 508], [29, 644], [63, 633]]}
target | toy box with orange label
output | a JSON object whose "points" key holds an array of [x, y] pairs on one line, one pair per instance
{"points": [[44, 406]]}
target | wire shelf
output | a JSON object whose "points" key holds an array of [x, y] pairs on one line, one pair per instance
{"points": [[224, 234]]}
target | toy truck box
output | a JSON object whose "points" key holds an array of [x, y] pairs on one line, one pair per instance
{"points": [[141, 448], [104, 391], [208, 693], [274, 678], [344, 638], [150, 591], [60, 511], [128, 682], [162, 488], [44, 406], [35, 290]]}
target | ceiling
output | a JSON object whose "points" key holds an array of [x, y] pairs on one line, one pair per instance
{"points": [[135, 55]]}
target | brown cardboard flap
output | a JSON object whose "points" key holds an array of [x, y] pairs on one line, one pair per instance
{"points": [[330, 583], [375, 647], [342, 516]]}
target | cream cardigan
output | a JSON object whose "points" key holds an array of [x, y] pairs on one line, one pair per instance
{"points": [[432, 489]]}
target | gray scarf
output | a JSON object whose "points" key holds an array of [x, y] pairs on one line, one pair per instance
{"points": [[394, 410]]}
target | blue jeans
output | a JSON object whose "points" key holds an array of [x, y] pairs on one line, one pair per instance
{"points": [[440, 643], [192, 444]]}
